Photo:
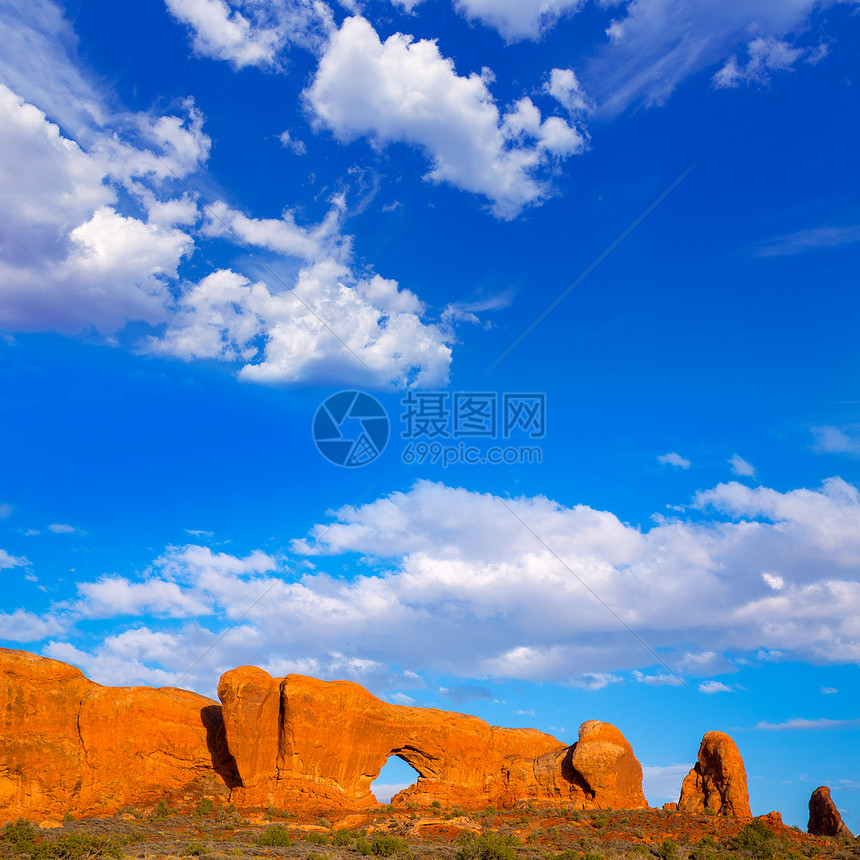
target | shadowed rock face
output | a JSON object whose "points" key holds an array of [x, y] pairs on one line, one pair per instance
{"points": [[718, 781], [299, 739], [68, 744], [824, 817]]}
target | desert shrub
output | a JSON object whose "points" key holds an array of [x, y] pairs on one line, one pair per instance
{"points": [[668, 849], [19, 834], [161, 811], [341, 838], [68, 817], [436, 804], [205, 806], [317, 839], [489, 846], [77, 846], [194, 849], [382, 846], [589, 855], [756, 838], [315, 855], [567, 854], [274, 837]]}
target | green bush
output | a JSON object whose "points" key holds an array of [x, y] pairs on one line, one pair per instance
{"points": [[668, 849], [591, 856], [342, 837], [161, 811], [68, 817], [205, 806], [77, 846], [489, 846], [756, 838], [317, 839], [274, 837], [436, 804], [315, 855], [194, 849], [363, 846], [20, 834]]}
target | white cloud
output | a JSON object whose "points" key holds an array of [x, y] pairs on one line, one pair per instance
{"points": [[658, 680], [565, 88], [710, 687], [68, 259], [458, 585], [401, 91], [828, 691], [289, 142], [765, 55], [76, 254], [5, 511], [253, 32], [9, 561], [741, 467], [656, 44], [24, 626], [61, 529], [833, 440], [674, 459], [777, 583], [518, 19], [325, 330]]}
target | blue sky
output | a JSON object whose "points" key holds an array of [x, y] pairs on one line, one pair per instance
{"points": [[216, 214]]}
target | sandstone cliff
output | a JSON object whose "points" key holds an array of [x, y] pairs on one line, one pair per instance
{"points": [[70, 745]]}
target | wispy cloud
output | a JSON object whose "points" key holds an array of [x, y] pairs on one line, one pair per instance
{"points": [[814, 239], [800, 724], [710, 687], [741, 467]]}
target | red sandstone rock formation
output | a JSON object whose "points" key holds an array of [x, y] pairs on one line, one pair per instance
{"points": [[718, 781], [824, 817], [300, 740], [70, 745]]}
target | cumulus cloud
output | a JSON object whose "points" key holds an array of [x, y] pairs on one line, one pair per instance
{"points": [[459, 586], [61, 529], [253, 32], [403, 91], [518, 19], [68, 259], [95, 232], [674, 459], [564, 87]]}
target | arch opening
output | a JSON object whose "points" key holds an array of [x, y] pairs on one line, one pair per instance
{"points": [[396, 774]]}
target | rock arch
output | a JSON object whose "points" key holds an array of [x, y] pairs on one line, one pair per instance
{"points": [[296, 739]]}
